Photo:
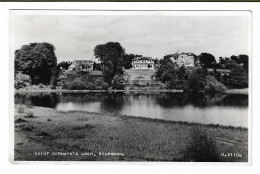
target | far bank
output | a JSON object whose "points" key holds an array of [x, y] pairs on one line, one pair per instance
{"points": [[49, 90]]}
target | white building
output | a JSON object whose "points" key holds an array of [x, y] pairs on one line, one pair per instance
{"points": [[143, 63], [186, 59]]}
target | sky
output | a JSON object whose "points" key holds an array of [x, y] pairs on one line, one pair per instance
{"points": [[75, 36]]}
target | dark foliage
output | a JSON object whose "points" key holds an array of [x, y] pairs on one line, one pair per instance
{"points": [[238, 77], [207, 60], [111, 56], [84, 82], [213, 86], [196, 81], [166, 70], [37, 61], [97, 66], [118, 82], [64, 64]]}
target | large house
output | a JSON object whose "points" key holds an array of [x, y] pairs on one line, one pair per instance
{"points": [[186, 59], [81, 65], [143, 63]]}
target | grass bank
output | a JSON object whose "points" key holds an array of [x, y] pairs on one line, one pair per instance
{"points": [[44, 134]]}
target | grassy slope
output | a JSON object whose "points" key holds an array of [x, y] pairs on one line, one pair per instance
{"points": [[137, 138], [135, 74]]}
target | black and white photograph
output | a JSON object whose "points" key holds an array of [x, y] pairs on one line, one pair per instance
{"points": [[135, 86]]}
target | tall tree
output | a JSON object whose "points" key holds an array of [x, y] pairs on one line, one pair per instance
{"points": [[207, 60], [244, 60], [166, 70], [111, 56], [234, 58], [37, 61]]}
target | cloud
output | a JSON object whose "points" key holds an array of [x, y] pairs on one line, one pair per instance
{"points": [[75, 37]]}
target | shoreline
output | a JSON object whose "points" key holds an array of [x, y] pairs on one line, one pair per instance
{"points": [[141, 118], [229, 91], [138, 138]]}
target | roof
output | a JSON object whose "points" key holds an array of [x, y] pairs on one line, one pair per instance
{"points": [[189, 54], [176, 54], [143, 58], [88, 61], [172, 55]]}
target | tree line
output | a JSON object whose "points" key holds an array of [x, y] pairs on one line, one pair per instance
{"points": [[38, 60], [200, 78]]}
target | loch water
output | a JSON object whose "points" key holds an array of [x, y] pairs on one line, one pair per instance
{"points": [[222, 109]]}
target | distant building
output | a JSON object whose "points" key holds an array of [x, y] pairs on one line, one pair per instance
{"points": [[186, 59], [143, 63], [221, 71], [81, 65]]}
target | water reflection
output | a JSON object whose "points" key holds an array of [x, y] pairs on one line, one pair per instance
{"points": [[218, 109]]}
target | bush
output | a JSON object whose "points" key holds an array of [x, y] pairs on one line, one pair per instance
{"points": [[118, 82], [84, 82], [99, 83], [238, 78], [194, 83], [175, 84], [213, 86], [76, 84], [201, 147]]}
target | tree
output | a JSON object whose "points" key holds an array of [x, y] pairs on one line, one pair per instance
{"points": [[196, 81], [36, 60], [181, 73], [64, 65], [166, 70], [241, 59], [54, 76], [111, 56], [234, 58], [244, 60], [213, 86], [238, 77], [175, 83], [207, 60]]}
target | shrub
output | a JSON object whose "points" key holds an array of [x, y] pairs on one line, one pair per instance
{"points": [[238, 77], [194, 83], [99, 83], [201, 147], [76, 84], [175, 84], [84, 82], [213, 86], [118, 82]]}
